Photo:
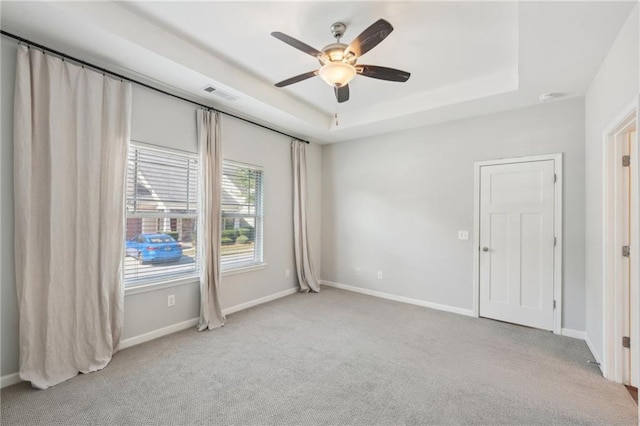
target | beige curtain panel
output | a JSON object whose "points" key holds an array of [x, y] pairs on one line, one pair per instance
{"points": [[210, 222], [71, 133], [304, 268]]}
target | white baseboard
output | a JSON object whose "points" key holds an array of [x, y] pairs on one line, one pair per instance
{"points": [[142, 338], [173, 328], [595, 354], [12, 379], [576, 334], [9, 379], [255, 302], [418, 302]]}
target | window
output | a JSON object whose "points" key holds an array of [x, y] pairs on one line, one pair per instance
{"points": [[241, 238], [162, 213]]}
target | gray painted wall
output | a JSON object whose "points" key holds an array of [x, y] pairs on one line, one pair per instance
{"points": [[615, 86], [8, 298], [254, 145], [394, 203], [160, 120]]}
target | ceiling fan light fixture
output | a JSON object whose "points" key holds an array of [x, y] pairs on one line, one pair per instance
{"points": [[338, 60], [337, 74]]}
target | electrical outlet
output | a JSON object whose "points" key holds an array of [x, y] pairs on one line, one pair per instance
{"points": [[379, 275], [287, 273], [357, 271], [463, 235], [171, 300]]}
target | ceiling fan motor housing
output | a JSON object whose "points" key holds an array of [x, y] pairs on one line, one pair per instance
{"points": [[335, 53]]}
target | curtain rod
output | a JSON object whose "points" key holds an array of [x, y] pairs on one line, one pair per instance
{"points": [[139, 83]]}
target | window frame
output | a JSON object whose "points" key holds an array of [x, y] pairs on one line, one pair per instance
{"points": [[235, 267], [163, 278]]}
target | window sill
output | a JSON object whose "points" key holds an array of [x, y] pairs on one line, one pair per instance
{"points": [[144, 288], [242, 270]]}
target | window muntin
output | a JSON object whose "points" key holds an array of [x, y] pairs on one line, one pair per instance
{"points": [[242, 217], [162, 214]]}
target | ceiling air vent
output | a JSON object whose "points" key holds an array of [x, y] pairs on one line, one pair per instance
{"points": [[219, 93]]}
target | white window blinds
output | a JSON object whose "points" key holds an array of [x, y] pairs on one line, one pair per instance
{"points": [[242, 195], [162, 214]]}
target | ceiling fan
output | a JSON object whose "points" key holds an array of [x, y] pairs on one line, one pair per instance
{"points": [[339, 60]]}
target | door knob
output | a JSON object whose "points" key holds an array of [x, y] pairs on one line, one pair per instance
{"points": [[485, 248]]}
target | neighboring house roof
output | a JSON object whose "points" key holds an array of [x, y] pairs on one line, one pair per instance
{"points": [[160, 183], [160, 186], [233, 199]]}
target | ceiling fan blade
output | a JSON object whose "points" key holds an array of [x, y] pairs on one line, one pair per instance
{"points": [[298, 44], [383, 73], [297, 78], [370, 38], [342, 93]]}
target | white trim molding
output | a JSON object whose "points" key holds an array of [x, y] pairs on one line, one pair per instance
{"points": [[12, 379], [613, 292], [144, 288], [557, 273], [9, 380], [402, 299], [261, 300], [251, 268], [173, 328], [576, 334], [152, 335], [595, 354]]}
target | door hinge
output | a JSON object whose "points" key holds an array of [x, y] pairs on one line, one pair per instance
{"points": [[554, 304], [555, 178], [626, 342], [626, 160], [555, 241], [626, 251]]}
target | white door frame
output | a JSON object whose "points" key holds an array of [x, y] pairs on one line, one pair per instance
{"points": [[557, 226], [612, 314]]}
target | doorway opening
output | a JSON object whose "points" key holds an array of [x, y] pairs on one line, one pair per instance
{"points": [[620, 272]]}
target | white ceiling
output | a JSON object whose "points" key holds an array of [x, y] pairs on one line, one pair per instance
{"points": [[465, 58]]}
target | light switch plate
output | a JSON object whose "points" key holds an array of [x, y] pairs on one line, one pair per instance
{"points": [[463, 235]]}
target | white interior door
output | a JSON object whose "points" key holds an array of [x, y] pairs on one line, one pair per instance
{"points": [[634, 278], [628, 274], [517, 243]]}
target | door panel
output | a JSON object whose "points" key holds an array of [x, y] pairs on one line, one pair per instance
{"points": [[510, 187], [530, 263], [499, 261], [516, 240]]}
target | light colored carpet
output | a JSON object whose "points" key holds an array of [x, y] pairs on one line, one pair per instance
{"points": [[337, 358]]}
